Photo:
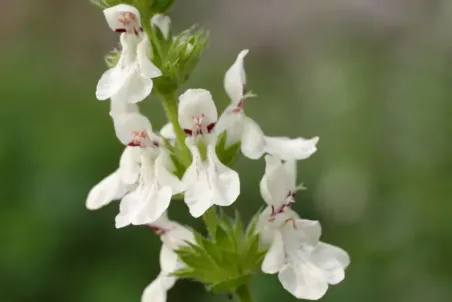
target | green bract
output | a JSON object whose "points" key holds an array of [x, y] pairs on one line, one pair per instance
{"points": [[226, 259]]}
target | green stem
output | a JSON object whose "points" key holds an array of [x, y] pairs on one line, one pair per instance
{"points": [[170, 105], [243, 293], [210, 219]]}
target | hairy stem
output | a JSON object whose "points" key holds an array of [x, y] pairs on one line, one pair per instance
{"points": [[170, 105], [243, 293]]}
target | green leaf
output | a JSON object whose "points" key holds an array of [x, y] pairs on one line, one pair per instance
{"points": [[226, 260]]}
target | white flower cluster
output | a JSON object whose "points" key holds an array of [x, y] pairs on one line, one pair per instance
{"points": [[145, 181]]}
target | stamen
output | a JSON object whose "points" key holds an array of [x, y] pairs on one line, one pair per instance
{"points": [[130, 22], [198, 126], [125, 18], [138, 139], [198, 123]]}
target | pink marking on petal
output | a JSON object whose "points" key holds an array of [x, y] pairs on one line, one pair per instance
{"points": [[210, 127], [158, 230], [239, 106]]}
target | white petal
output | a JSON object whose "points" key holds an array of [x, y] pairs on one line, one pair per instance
{"points": [[271, 164], [163, 22], [232, 123], [194, 103], [290, 149], [165, 177], [109, 189], [209, 183], [226, 120], [234, 132], [264, 228], [110, 83], [157, 290], [167, 132], [276, 185], [332, 260], [118, 107], [129, 165], [125, 125], [176, 237], [114, 80], [168, 259], [275, 257], [163, 222], [253, 143], [303, 281], [224, 182], [235, 79], [290, 167], [154, 202], [136, 89], [198, 196], [146, 67], [127, 210], [112, 15], [302, 232]]}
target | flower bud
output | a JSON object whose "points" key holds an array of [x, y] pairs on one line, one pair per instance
{"points": [[181, 58]]}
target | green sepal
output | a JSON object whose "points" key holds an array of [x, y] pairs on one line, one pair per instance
{"points": [[228, 155], [210, 219]]}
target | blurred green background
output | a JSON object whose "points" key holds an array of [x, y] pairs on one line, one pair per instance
{"points": [[372, 78]]}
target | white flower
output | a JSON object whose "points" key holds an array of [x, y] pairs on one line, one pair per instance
{"points": [[156, 183], [240, 127], [163, 23], [305, 266], [173, 236], [278, 185], [130, 81], [123, 18], [117, 184], [197, 113], [207, 180]]}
